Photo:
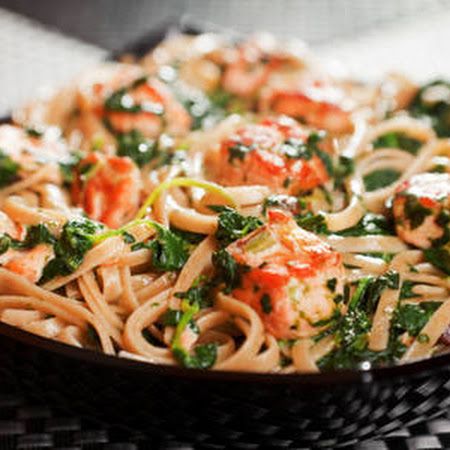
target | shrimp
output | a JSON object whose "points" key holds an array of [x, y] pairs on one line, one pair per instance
{"points": [[293, 277], [30, 150], [419, 207], [253, 64], [108, 188], [29, 263], [151, 109], [317, 104], [264, 153]]}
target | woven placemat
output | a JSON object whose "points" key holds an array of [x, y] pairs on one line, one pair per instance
{"points": [[29, 426]]}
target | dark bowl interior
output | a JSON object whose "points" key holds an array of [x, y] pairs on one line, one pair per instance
{"points": [[204, 407]]}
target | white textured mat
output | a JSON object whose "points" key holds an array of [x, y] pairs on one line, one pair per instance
{"points": [[32, 56]]}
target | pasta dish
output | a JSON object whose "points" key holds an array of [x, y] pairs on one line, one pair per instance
{"points": [[230, 206]]}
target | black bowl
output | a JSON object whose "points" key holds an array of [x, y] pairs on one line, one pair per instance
{"points": [[319, 410], [203, 407]]}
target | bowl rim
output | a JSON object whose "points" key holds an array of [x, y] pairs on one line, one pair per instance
{"points": [[421, 368]]}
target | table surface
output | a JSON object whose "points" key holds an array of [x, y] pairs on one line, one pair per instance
{"points": [[368, 37]]}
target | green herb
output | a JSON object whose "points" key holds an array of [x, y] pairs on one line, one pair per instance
{"points": [[415, 211], [76, 239], [315, 223], [406, 290], [299, 149], [93, 339], [8, 169], [36, 234], [423, 338], [385, 256], [370, 224], [331, 284], [286, 202], [171, 317], [200, 294], [229, 272], [169, 251], [439, 257], [266, 304], [342, 170], [232, 225], [67, 167], [204, 356], [412, 318], [238, 151], [34, 132], [351, 330], [380, 178], [188, 236], [433, 101], [398, 140], [137, 147], [122, 101]]}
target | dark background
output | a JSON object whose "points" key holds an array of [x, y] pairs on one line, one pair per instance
{"points": [[109, 23]]}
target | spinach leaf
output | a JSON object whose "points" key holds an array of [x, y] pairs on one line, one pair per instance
{"points": [[370, 224], [298, 149], [406, 290], [412, 318], [188, 236], [8, 169], [397, 140], [77, 237], [415, 211], [439, 257], [433, 101], [351, 330], [204, 356], [169, 251], [343, 169], [228, 270], [380, 178], [67, 167], [200, 294], [232, 225], [315, 223], [281, 201], [137, 147], [36, 234]]}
